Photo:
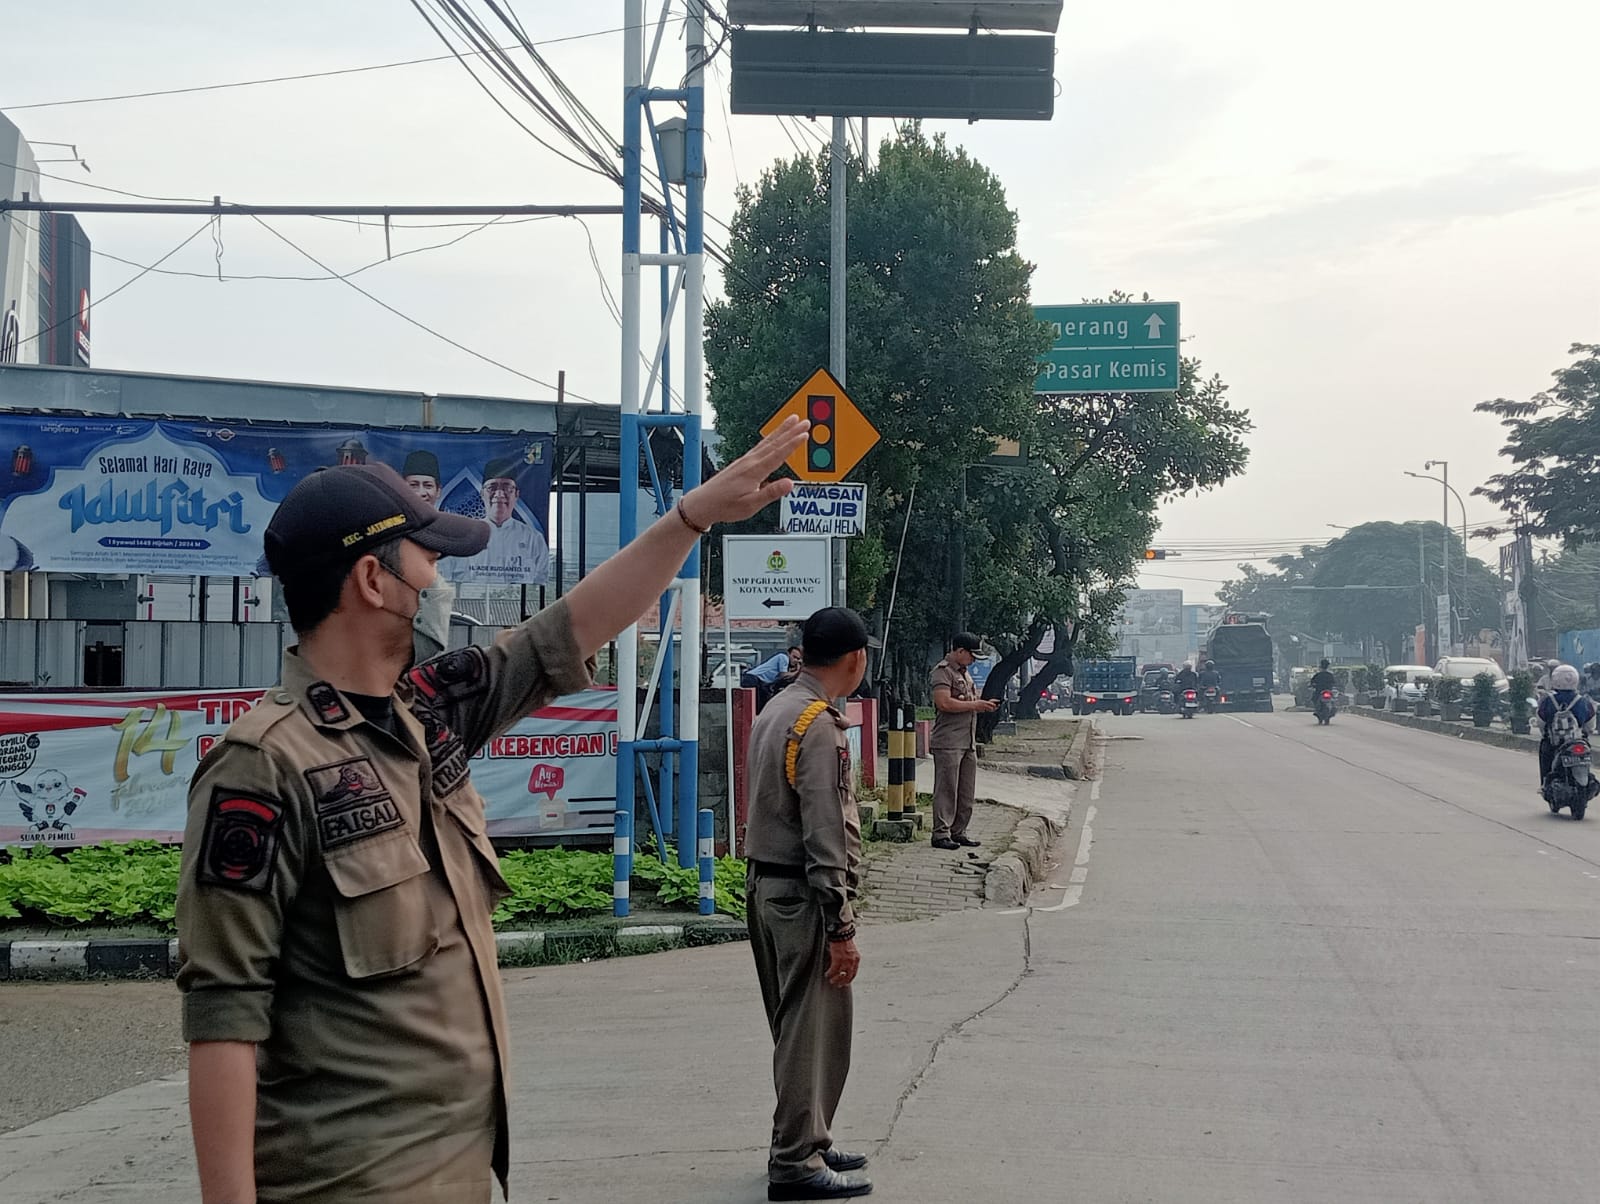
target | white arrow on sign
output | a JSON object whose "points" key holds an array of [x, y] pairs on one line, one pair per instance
{"points": [[1154, 324]]}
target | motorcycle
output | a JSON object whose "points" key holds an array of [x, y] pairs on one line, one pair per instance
{"points": [[1191, 703], [1166, 704], [1209, 696], [1571, 783], [1325, 707]]}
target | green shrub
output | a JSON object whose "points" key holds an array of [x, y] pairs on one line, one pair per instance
{"points": [[137, 883], [1484, 694], [1449, 689], [1521, 689]]}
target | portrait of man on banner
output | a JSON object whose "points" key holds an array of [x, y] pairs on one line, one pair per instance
{"points": [[518, 551]]}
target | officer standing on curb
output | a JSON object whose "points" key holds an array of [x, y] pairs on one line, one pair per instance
{"points": [[341, 995], [804, 848], [953, 743]]}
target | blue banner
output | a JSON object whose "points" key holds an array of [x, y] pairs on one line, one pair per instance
{"points": [[107, 495]]}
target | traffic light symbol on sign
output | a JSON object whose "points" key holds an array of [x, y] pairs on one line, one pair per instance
{"points": [[820, 452]]}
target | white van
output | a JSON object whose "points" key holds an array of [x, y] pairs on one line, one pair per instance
{"points": [[1465, 668], [1410, 687]]}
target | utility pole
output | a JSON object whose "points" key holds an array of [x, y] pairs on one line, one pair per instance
{"points": [[837, 267]]}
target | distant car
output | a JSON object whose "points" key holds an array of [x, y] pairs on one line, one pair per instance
{"points": [[1465, 668], [1410, 689]]}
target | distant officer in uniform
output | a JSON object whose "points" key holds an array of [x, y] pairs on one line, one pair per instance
{"points": [[804, 848], [341, 999], [954, 742]]}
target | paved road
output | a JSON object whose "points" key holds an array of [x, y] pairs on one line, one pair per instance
{"points": [[1295, 964]]}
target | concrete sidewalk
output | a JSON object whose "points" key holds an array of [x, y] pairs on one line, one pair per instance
{"points": [[640, 1079]]}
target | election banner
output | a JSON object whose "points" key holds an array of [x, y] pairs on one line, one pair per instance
{"points": [[113, 495], [77, 769]]}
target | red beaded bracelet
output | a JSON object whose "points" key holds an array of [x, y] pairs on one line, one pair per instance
{"points": [[689, 522]]}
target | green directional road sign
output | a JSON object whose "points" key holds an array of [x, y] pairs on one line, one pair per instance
{"points": [[1127, 348]]}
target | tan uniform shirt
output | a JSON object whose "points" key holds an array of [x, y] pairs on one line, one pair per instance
{"points": [[814, 824], [953, 730], [334, 908]]}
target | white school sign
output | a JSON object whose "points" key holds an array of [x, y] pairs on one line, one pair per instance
{"points": [[774, 577]]}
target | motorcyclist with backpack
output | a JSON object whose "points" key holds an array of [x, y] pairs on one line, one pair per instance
{"points": [[1559, 712], [1323, 678]]}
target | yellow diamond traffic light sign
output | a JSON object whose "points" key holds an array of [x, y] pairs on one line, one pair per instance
{"points": [[840, 433]]}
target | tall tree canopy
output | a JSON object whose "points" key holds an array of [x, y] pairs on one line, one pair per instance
{"points": [[942, 353], [1376, 582], [1554, 441]]}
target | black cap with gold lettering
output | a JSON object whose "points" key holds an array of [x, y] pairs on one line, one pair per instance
{"points": [[336, 515]]}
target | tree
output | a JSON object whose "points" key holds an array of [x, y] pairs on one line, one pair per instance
{"points": [[1554, 440], [1372, 583], [1100, 464], [942, 347]]}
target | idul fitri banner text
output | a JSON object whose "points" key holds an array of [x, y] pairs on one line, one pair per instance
{"points": [[108, 495]]}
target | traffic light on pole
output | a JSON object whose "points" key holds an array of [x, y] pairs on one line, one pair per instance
{"points": [[821, 453], [1155, 553]]}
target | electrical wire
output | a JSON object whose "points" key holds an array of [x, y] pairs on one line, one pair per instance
{"points": [[284, 238], [103, 298], [285, 79]]}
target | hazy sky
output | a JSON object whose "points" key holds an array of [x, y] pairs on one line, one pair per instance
{"points": [[1373, 217]]}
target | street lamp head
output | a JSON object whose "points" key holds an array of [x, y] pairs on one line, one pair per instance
{"points": [[1431, 463]]}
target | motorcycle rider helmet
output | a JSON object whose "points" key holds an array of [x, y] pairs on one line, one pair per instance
{"points": [[1564, 677], [1211, 664], [1323, 665]]}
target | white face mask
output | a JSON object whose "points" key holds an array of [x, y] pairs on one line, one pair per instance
{"points": [[431, 623]]}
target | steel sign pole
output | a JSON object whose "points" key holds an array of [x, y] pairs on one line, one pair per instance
{"points": [[837, 267]]}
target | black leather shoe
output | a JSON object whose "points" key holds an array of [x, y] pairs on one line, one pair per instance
{"points": [[966, 842], [940, 843], [843, 1160], [826, 1184]]}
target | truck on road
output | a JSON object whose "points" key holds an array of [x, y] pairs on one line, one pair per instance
{"points": [[1241, 649], [1105, 685]]}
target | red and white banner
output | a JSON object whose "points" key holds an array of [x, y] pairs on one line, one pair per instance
{"points": [[82, 768]]}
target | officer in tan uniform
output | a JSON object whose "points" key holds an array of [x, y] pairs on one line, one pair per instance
{"points": [[340, 990], [954, 742], [803, 842]]}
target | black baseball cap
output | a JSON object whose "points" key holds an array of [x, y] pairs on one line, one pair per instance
{"points": [[421, 464], [966, 641], [830, 633], [337, 515]]}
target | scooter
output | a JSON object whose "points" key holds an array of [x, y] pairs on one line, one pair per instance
{"points": [[1209, 697], [1571, 783], [1325, 707], [1165, 703], [1191, 704]]}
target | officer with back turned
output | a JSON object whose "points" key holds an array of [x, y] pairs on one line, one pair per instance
{"points": [[804, 850]]}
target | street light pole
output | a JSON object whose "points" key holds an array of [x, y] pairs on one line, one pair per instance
{"points": [[1444, 480]]}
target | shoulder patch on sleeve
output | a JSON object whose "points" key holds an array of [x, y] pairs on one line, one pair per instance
{"points": [[846, 779], [458, 674], [239, 849]]}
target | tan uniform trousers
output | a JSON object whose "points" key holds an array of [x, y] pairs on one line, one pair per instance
{"points": [[811, 1022], [955, 781]]}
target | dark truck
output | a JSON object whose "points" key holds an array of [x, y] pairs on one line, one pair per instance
{"points": [[1241, 649], [1108, 685]]}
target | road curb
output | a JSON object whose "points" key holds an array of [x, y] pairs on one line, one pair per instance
{"points": [[1070, 769], [1012, 876], [1477, 735], [158, 958]]}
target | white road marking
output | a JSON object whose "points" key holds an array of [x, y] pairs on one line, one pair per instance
{"points": [[1094, 789], [1080, 874], [1241, 722]]}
